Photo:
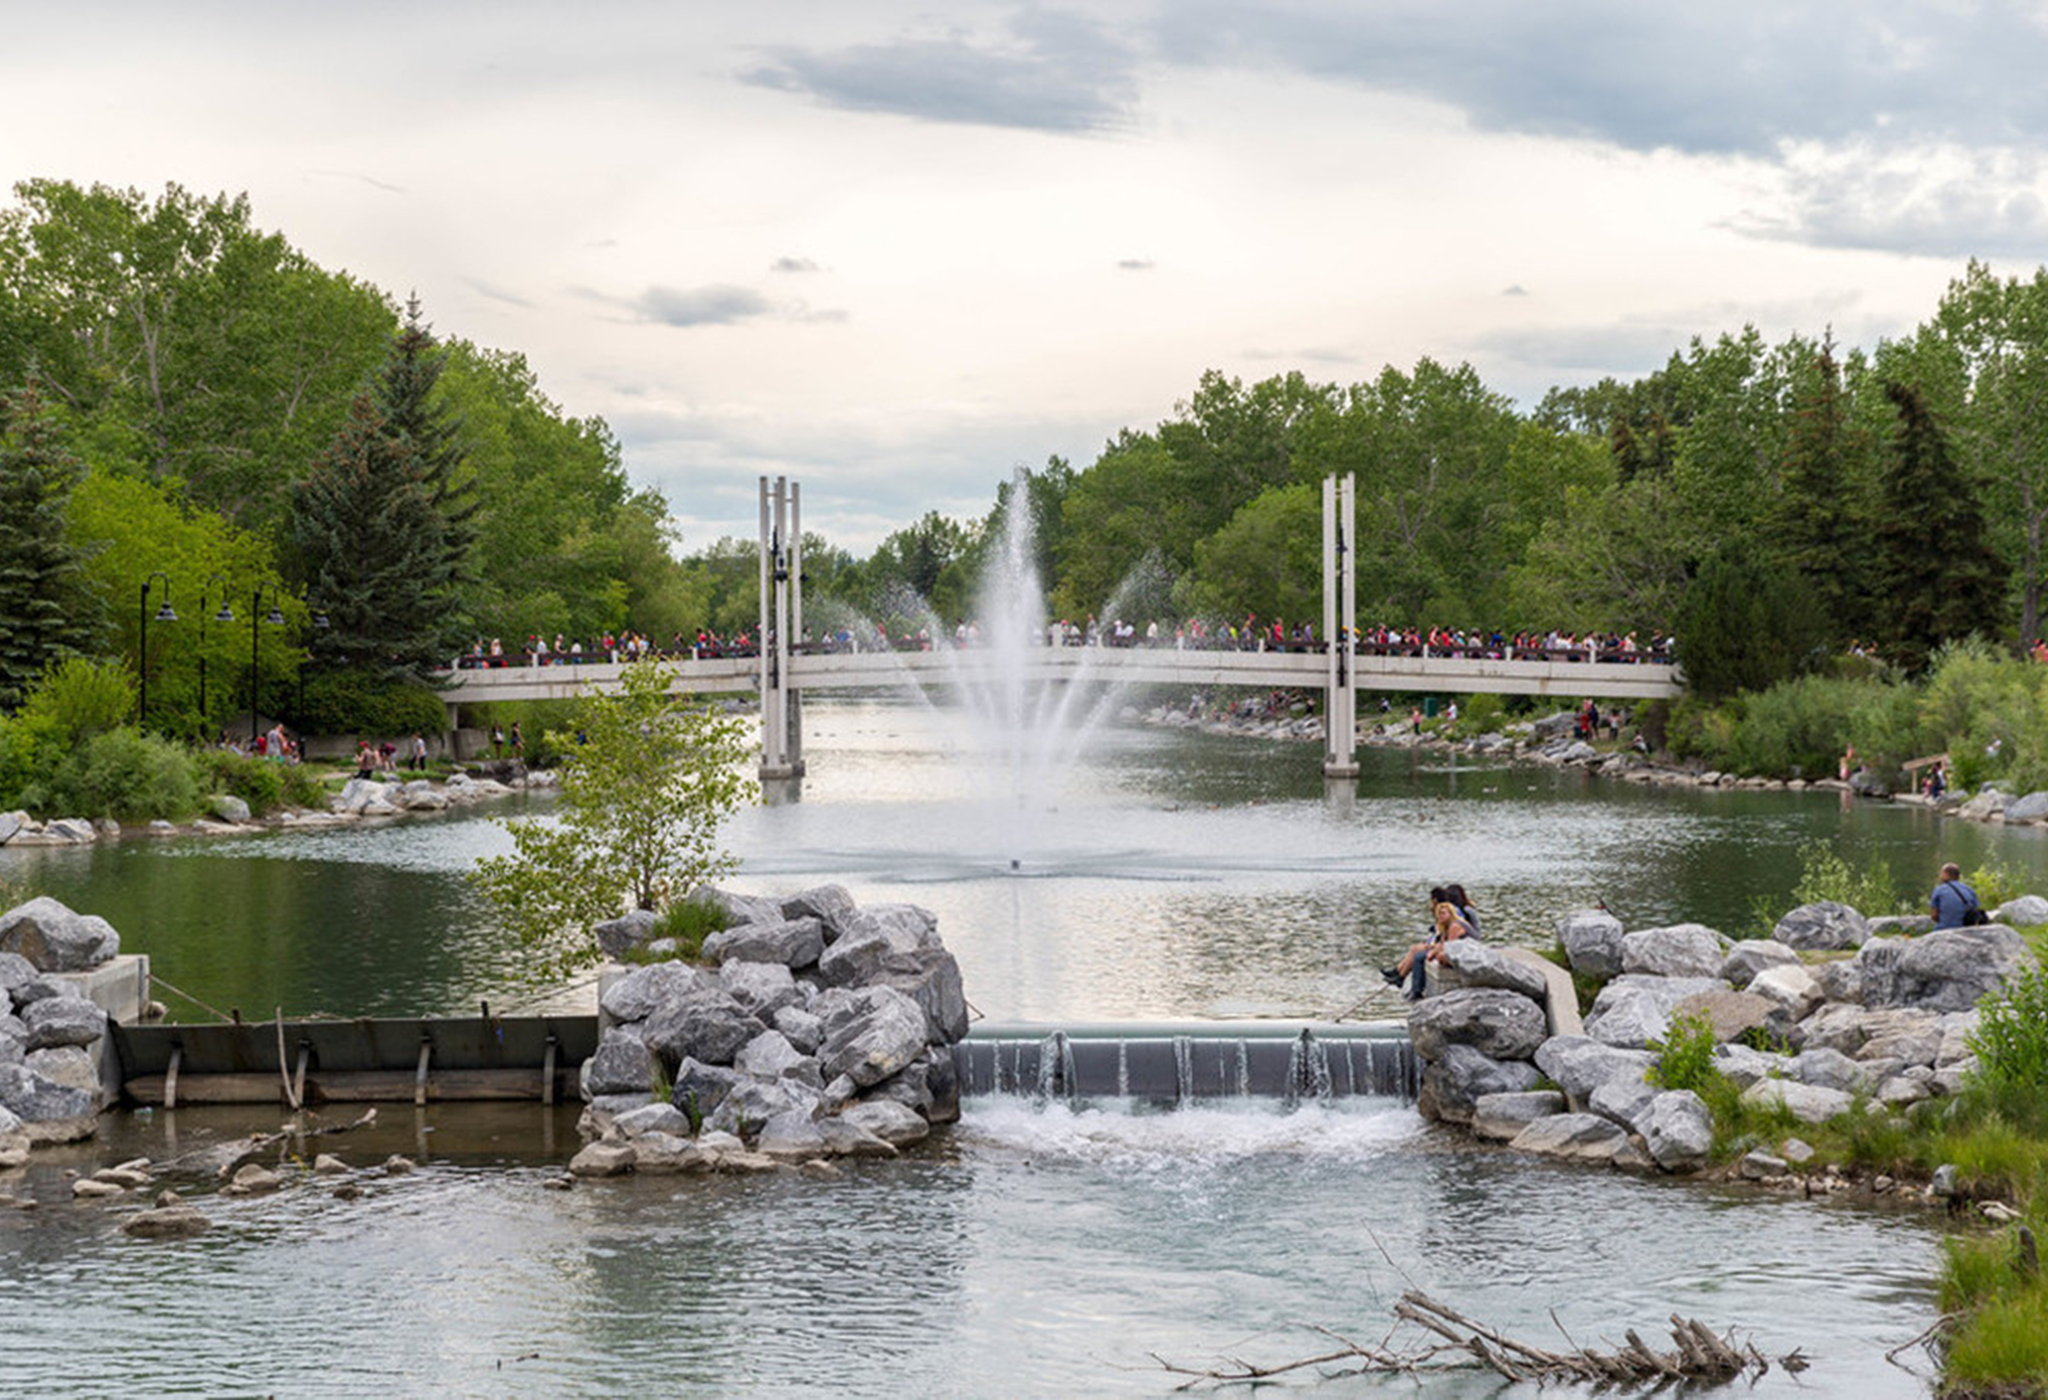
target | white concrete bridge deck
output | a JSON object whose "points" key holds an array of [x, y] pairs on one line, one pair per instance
{"points": [[1458, 675]]}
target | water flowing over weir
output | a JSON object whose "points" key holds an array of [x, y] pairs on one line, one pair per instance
{"points": [[1168, 1062]]}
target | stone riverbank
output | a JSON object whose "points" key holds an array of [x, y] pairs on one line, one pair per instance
{"points": [[1860, 1014], [385, 795]]}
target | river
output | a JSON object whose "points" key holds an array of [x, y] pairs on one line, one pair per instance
{"points": [[1031, 1250]]}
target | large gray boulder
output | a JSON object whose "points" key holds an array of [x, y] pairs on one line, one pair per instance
{"points": [[1584, 1137], [1453, 1084], [1579, 1064], [2024, 911], [1631, 1011], [1501, 1117], [702, 1024], [1625, 1101], [1592, 941], [617, 937], [1467, 962], [2031, 808], [11, 824], [700, 1088], [1735, 1014], [636, 996], [1791, 986], [1809, 1103], [907, 926], [619, 1065], [828, 904], [1831, 1069], [1947, 970], [1678, 1130], [855, 958], [751, 1103], [40, 1103], [931, 978], [64, 1020], [15, 971], [1681, 950], [1752, 956], [738, 908], [1822, 927], [870, 1034], [68, 1066], [892, 1122], [803, 1030], [769, 1055], [229, 808], [761, 988], [54, 938], [1745, 1065], [793, 1135], [1500, 1025], [793, 943]]}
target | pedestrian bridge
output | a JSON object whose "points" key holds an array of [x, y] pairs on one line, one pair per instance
{"points": [[1570, 677]]}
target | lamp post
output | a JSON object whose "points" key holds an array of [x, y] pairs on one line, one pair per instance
{"points": [[163, 614], [275, 619], [226, 614], [320, 624]]}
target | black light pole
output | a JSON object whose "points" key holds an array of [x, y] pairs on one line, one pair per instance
{"points": [[225, 614], [275, 619], [163, 614], [320, 624]]}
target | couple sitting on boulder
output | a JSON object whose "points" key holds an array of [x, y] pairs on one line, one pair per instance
{"points": [[1454, 918]]}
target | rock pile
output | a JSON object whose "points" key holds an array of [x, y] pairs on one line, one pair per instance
{"points": [[49, 1083], [819, 1030], [1887, 1020]]}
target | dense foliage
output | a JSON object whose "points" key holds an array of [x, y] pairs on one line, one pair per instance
{"points": [[645, 784]]}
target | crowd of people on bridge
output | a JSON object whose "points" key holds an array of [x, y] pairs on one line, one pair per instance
{"points": [[1192, 634]]}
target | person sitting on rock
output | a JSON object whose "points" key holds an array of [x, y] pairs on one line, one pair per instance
{"points": [[1414, 965], [1954, 903]]}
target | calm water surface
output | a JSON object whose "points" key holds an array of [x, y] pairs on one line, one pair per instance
{"points": [[1034, 1249]]}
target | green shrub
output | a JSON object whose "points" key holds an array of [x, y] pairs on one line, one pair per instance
{"points": [[1685, 1054], [689, 922], [2011, 1044], [123, 774], [1800, 727], [77, 698], [2003, 1344], [353, 702], [1825, 875], [1997, 883]]}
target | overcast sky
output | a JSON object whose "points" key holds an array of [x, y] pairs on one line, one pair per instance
{"points": [[894, 250]]}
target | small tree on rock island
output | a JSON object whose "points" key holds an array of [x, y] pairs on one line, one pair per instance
{"points": [[644, 789]]}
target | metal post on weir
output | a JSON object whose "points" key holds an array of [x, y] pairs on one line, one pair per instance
{"points": [[1340, 626]]}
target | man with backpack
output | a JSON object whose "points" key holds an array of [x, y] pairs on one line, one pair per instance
{"points": [[1953, 903]]}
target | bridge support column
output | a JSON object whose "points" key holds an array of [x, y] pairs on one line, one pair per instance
{"points": [[1340, 627], [781, 601]]}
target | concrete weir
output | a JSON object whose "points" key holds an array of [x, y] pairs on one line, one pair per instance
{"points": [[1173, 1062]]}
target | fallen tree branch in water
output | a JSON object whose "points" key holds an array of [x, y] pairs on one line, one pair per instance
{"points": [[1697, 1354]]}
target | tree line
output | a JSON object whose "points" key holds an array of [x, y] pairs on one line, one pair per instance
{"points": [[185, 393]]}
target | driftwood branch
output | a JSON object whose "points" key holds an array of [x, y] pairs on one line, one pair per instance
{"points": [[1697, 1353]]}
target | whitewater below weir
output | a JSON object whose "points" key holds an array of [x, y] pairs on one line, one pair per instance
{"points": [[1036, 1249]]}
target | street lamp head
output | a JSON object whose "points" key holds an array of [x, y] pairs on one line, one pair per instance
{"points": [[164, 612], [226, 613], [320, 622], [276, 618]]}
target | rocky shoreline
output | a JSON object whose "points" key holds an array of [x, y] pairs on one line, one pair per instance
{"points": [[1870, 1015], [361, 798], [1551, 741]]}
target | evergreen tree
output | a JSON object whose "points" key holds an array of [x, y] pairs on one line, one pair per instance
{"points": [[46, 611], [374, 550], [1812, 529], [1936, 578], [417, 417], [1745, 623]]}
